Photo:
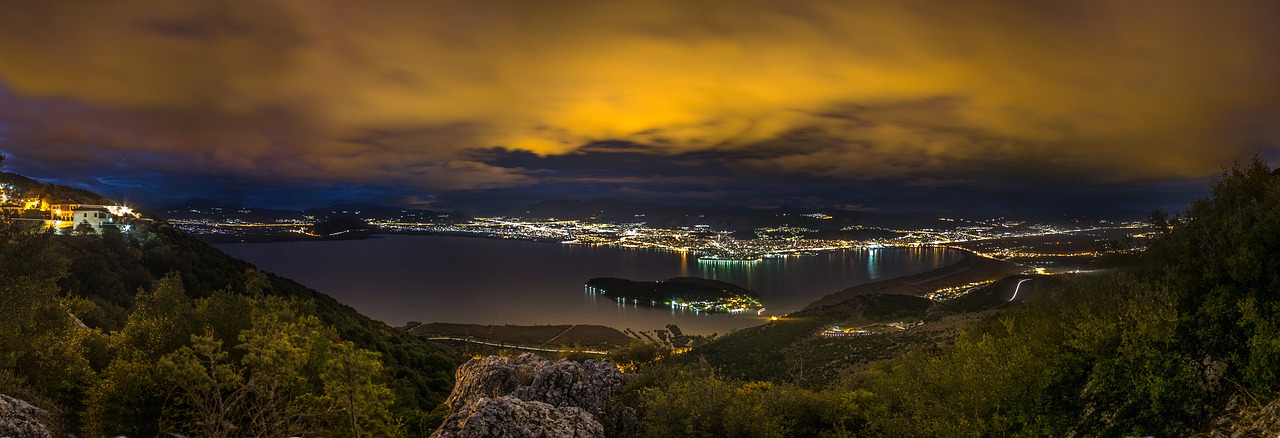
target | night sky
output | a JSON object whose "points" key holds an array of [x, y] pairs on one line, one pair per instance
{"points": [[949, 106]]}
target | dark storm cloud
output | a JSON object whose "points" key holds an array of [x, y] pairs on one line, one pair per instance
{"points": [[609, 159], [714, 98]]}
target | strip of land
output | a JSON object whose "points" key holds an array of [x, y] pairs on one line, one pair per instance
{"points": [[970, 269], [550, 336]]}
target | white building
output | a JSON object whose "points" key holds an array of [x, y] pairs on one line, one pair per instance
{"points": [[95, 216]]}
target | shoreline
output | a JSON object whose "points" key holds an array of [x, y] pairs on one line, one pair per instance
{"points": [[226, 239], [968, 269], [912, 284], [589, 338]]}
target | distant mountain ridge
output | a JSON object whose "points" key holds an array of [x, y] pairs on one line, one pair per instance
{"points": [[717, 217], [199, 208]]}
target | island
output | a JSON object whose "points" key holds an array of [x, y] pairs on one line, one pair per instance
{"points": [[693, 293]]}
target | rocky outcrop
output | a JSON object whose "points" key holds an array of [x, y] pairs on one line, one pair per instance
{"points": [[508, 416], [18, 419], [530, 397]]}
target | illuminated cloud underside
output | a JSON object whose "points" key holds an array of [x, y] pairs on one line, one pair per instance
{"points": [[418, 93]]}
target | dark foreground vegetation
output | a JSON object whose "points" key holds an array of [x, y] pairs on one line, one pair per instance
{"points": [[153, 332]]}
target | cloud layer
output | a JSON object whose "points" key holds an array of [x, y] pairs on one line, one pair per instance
{"points": [[418, 94]]}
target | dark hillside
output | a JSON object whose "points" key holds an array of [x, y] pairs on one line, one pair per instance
{"points": [[880, 318], [112, 268], [126, 288], [30, 188], [793, 348]]}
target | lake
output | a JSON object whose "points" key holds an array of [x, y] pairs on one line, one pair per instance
{"points": [[400, 278]]}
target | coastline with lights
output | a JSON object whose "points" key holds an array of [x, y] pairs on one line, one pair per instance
{"points": [[1036, 245]]}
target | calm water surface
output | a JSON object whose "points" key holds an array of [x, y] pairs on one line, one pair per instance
{"points": [[401, 278]]}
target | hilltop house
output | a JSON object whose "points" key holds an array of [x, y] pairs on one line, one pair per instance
{"points": [[95, 216], [62, 210]]}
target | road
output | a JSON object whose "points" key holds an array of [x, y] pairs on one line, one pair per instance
{"points": [[561, 334], [1015, 289], [518, 347]]}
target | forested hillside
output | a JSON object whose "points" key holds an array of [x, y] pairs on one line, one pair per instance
{"points": [[154, 332]]}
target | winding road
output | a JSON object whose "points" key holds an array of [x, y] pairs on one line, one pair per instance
{"points": [[1015, 289]]}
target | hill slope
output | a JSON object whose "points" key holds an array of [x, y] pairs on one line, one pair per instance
{"points": [[101, 279], [1184, 343]]}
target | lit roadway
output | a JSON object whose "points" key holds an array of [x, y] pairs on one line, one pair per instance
{"points": [[1015, 290]]}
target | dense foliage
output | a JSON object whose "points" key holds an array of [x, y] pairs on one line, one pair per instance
{"points": [[154, 332], [206, 368], [695, 402]]}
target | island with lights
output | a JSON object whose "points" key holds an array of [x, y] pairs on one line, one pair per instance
{"points": [[700, 295]]}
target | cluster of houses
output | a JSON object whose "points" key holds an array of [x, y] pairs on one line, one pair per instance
{"points": [[64, 216]]}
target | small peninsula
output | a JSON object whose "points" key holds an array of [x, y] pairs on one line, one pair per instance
{"points": [[692, 293]]}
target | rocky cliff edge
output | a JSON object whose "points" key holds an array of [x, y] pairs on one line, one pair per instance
{"points": [[529, 396]]}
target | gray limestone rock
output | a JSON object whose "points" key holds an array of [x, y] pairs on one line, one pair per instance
{"points": [[18, 419], [508, 416], [542, 397]]}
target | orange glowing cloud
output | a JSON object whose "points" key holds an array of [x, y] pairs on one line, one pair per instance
{"points": [[404, 91]]}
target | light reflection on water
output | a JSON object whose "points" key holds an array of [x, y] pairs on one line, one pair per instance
{"points": [[788, 284], [487, 281]]}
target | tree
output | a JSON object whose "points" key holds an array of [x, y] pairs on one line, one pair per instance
{"points": [[130, 397], [162, 322], [278, 350], [210, 387], [234, 365], [42, 344], [636, 353], [256, 283], [1160, 220], [226, 314], [285, 372], [351, 381], [84, 229], [1223, 260], [696, 402]]}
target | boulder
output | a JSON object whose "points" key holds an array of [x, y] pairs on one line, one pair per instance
{"points": [[508, 416], [18, 419], [557, 398]]}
